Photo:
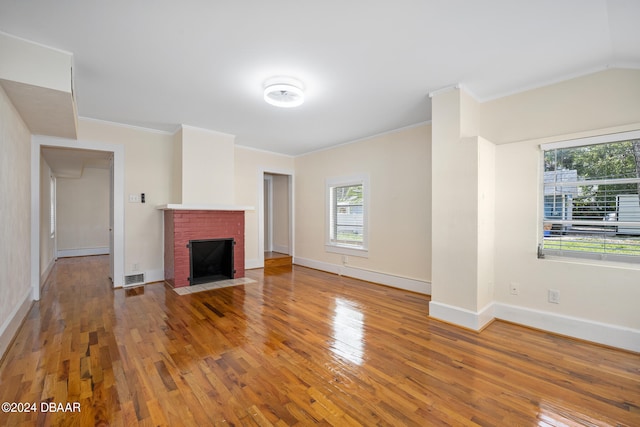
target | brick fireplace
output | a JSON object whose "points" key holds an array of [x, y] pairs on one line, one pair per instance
{"points": [[183, 225], [203, 208]]}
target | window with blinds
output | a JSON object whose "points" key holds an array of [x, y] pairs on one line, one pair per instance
{"points": [[347, 215], [590, 205]]}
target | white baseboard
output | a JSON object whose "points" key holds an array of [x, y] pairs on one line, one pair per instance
{"points": [[46, 272], [252, 263], [575, 327], [151, 276], [281, 249], [65, 253], [461, 316], [10, 327], [318, 265], [584, 329], [413, 285]]}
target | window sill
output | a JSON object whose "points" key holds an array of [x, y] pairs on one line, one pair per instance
{"points": [[346, 250], [614, 262]]}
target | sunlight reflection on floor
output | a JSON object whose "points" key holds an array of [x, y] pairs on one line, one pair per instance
{"points": [[348, 331]]}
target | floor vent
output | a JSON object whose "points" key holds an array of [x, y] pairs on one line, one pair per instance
{"points": [[134, 279]]}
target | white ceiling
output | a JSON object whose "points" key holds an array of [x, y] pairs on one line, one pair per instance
{"points": [[368, 65]]}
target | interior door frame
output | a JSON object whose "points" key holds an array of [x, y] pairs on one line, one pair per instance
{"points": [[111, 219], [261, 210], [268, 212], [39, 141]]}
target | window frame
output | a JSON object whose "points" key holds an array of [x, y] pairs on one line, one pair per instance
{"points": [[335, 247], [568, 254]]}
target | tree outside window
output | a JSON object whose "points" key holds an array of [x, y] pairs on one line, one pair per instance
{"points": [[591, 203], [347, 215]]}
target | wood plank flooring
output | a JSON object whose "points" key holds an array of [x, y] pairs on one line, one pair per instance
{"points": [[299, 347], [276, 259]]}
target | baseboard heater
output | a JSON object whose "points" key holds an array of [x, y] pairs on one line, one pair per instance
{"points": [[133, 280]]}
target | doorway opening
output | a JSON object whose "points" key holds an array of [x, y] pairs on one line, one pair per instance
{"points": [[277, 218], [113, 154]]}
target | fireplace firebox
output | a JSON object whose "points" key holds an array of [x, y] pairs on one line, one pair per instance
{"points": [[211, 260]]}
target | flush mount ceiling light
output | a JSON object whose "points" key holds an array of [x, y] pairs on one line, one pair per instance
{"points": [[283, 92]]}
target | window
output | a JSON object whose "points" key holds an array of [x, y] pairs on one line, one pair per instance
{"points": [[590, 199], [347, 215]]}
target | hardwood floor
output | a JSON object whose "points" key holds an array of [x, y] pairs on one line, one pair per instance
{"points": [[276, 259], [299, 347]]}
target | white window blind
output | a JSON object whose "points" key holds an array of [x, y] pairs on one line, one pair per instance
{"points": [[347, 215], [590, 198]]}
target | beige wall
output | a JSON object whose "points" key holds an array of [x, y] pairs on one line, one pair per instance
{"points": [[463, 200], [598, 300], [596, 101], [15, 231], [250, 166], [398, 165], [148, 164], [207, 167], [486, 199], [176, 168], [150, 168], [602, 292], [83, 210], [601, 103], [454, 191]]}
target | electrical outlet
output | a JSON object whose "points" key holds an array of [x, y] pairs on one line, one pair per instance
{"points": [[134, 198], [514, 288], [554, 296], [135, 266]]}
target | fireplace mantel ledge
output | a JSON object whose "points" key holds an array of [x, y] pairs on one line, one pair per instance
{"points": [[204, 207]]}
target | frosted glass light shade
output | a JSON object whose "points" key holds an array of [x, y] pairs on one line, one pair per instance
{"points": [[283, 95]]}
